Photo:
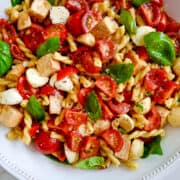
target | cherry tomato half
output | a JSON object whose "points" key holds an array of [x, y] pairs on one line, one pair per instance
{"points": [[142, 53], [73, 141], [48, 90], [34, 129], [89, 147], [106, 49], [113, 138], [82, 95], [154, 120], [76, 5], [158, 2], [45, 144], [162, 23], [107, 85], [67, 71], [60, 155], [17, 53]]}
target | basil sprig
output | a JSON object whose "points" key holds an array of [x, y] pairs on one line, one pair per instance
{"points": [[120, 72], [153, 147], [35, 109], [137, 3], [52, 1], [160, 48], [16, 2], [127, 20], [92, 106], [5, 58], [95, 162], [50, 46]]}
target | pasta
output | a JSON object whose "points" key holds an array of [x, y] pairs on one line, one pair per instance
{"points": [[88, 86]]}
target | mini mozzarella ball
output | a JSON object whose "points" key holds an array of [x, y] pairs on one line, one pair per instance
{"points": [[142, 31], [34, 78], [146, 106], [10, 97], [64, 84]]}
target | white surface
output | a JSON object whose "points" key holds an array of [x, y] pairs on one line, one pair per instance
{"points": [[25, 163]]}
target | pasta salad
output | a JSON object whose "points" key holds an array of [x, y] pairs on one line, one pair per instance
{"points": [[90, 83]]}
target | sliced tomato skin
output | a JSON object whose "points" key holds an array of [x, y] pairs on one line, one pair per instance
{"points": [[73, 141], [34, 129], [113, 138], [106, 49], [17, 53], [67, 71], [142, 52], [48, 90], [107, 85], [158, 2], [82, 94], [154, 120], [89, 147], [45, 144], [162, 25], [76, 5]]}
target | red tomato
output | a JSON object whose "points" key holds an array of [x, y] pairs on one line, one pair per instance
{"points": [[25, 89], [165, 91], [45, 144], [48, 90], [75, 118], [82, 95], [34, 129], [162, 23], [60, 155], [151, 13], [119, 108], [3, 22], [89, 147], [173, 26], [76, 5], [17, 53], [89, 20], [56, 30], [154, 79], [67, 71], [33, 37], [158, 2], [73, 141], [106, 49], [113, 138], [127, 96], [94, 1], [154, 120], [74, 23], [107, 85], [121, 4], [141, 51], [88, 63]]}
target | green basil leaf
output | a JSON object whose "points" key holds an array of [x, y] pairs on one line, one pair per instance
{"points": [[35, 109], [153, 147], [160, 48], [50, 46], [5, 58], [127, 20], [122, 131], [137, 3], [95, 162], [50, 156], [52, 2], [16, 2], [139, 106], [92, 107], [120, 72]]}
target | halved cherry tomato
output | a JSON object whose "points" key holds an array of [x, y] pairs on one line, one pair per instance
{"points": [[107, 85], [113, 138], [165, 91], [121, 4], [173, 26], [154, 120], [34, 129], [25, 88], [82, 95], [45, 144], [162, 23], [158, 2], [89, 147], [48, 90], [127, 96], [76, 5], [60, 155], [67, 71], [56, 30], [3, 22], [75, 118], [142, 52], [17, 53], [154, 79], [74, 23], [119, 108], [33, 37], [94, 1], [73, 141], [88, 63], [151, 13], [89, 20], [106, 49]]}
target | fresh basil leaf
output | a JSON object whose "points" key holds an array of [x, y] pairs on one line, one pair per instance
{"points": [[5, 58], [95, 162], [35, 109], [92, 107], [127, 20], [122, 131], [52, 1], [120, 72], [153, 147], [50, 156], [160, 48], [16, 2], [50, 46], [137, 3], [139, 106]]}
